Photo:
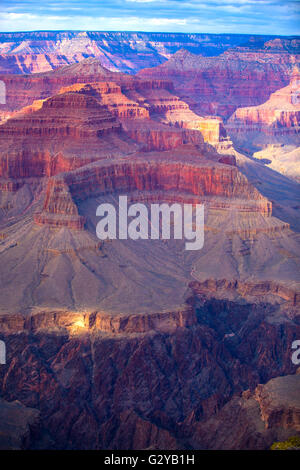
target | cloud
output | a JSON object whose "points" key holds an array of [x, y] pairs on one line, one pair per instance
{"points": [[211, 16]]}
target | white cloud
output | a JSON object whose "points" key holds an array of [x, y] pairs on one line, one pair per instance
{"points": [[18, 16]]}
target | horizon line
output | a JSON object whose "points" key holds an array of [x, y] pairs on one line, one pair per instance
{"points": [[147, 32]]}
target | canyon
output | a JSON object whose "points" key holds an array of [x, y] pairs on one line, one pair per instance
{"points": [[141, 344], [219, 85]]}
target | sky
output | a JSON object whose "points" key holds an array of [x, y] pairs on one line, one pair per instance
{"points": [[278, 17]]}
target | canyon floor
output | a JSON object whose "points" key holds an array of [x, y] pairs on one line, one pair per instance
{"points": [[142, 344]]}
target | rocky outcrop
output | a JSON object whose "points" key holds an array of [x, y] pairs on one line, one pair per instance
{"points": [[110, 95], [279, 402], [157, 136], [98, 321], [280, 111], [70, 114], [128, 176], [165, 106]]}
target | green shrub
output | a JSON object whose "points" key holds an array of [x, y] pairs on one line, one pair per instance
{"points": [[291, 443]]}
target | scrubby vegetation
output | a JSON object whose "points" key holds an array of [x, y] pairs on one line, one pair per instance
{"points": [[291, 443]]}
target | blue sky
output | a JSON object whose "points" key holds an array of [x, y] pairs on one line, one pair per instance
{"points": [[280, 17]]}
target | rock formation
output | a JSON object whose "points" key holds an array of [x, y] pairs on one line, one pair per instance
{"points": [[219, 85]]}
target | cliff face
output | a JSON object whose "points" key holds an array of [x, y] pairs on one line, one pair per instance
{"points": [[153, 177], [276, 409], [67, 115], [270, 131], [200, 180], [246, 288], [110, 95], [219, 85], [166, 107], [169, 381]]}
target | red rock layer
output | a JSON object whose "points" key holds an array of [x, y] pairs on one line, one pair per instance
{"points": [[67, 115], [204, 179], [109, 94], [99, 321], [168, 108], [126, 176], [156, 136]]}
